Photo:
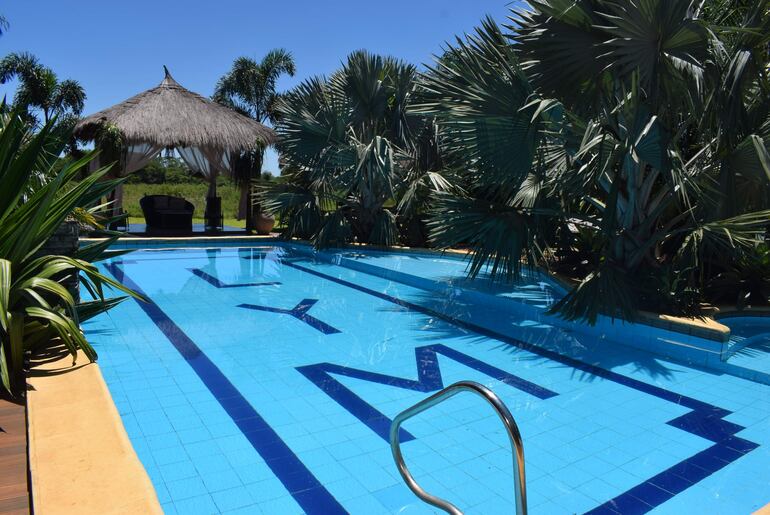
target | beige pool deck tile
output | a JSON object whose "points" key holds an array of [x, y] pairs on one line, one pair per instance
{"points": [[81, 460]]}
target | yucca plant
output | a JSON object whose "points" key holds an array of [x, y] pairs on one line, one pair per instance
{"points": [[35, 305]]}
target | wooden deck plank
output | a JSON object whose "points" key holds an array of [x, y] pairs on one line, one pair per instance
{"points": [[14, 490], [18, 504]]}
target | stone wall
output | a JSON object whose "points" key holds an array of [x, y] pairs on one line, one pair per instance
{"points": [[64, 242]]}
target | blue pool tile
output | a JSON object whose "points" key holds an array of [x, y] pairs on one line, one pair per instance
{"points": [[396, 497], [222, 429], [233, 443], [344, 450], [333, 471], [493, 504], [266, 490], [212, 463], [186, 488], [651, 494], [576, 478], [152, 427], [575, 502], [181, 424], [282, 505], [201, 449], [621, 479], [162, 492], [242, 459], [599, 490], [231, 499], [365, 504], [165, 456], [594, 466], [178, 470], [162, 441], [250, 474], [615, 456], [200, 505], [221, 480], [377, 481]]}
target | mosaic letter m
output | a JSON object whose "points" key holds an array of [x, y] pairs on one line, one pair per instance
{"points": [[428, 380]]}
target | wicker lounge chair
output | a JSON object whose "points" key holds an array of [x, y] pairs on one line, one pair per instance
{"points": [[165, 214]]}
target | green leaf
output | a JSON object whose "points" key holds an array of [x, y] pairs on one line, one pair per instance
{"points": [[16, 342], [763, 156], [5, 373], [5, 293]]}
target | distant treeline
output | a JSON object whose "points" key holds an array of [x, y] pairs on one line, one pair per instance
{"points": [[172, 170]]}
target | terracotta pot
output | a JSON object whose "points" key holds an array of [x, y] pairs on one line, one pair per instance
{"points": [[264, 223]]}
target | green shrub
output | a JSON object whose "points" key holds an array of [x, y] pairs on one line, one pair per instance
{"points": [[37, 195]]}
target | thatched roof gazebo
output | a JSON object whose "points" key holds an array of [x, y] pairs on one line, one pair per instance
{"points": [[206, 134]]}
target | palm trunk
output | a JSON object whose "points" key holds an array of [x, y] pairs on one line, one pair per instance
{"points": [[245, 210]]}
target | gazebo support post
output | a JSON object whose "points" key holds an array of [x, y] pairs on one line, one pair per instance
{"points": [[212, 186], [213, 219], [249, 213]]}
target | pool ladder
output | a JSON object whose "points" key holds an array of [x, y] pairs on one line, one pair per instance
{"points": [[517, 448]]}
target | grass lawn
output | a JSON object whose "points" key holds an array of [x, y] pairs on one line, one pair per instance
{"points": [[195, 193]]}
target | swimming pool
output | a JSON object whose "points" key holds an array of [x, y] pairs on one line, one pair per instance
{"points": [[259, 379]]}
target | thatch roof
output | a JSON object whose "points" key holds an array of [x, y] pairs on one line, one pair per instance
{"points": [[172, 116]]}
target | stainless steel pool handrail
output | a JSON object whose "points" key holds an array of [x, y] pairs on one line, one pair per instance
{"points": [[517, 447]]}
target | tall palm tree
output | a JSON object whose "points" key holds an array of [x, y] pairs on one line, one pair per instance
{"points": [[40, 92], [250, 88]]}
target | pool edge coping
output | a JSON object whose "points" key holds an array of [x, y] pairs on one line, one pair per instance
{"points": [[75, 428]]}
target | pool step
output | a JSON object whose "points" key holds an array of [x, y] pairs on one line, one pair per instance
{"points": [[750, 359]]}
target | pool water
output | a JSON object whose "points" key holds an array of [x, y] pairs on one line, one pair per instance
{"points": [[445, 272], [747, 330], [259, 380]]}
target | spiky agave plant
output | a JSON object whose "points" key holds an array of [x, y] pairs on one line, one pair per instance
{"points": [[35, 305]]}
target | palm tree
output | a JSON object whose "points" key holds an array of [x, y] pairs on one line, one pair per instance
{"points": [[641, 170], [356, 158], [40, 91], [250, 88]]}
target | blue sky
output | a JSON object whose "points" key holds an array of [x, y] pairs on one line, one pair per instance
{"points": [[117, 49]]}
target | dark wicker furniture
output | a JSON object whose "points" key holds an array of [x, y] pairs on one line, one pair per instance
{"points": [[165, 214]]}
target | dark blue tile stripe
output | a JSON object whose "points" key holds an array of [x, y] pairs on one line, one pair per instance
{"points": [[428, 380], [287, 467], [706, 420], [300, 313], [219, 284]]}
